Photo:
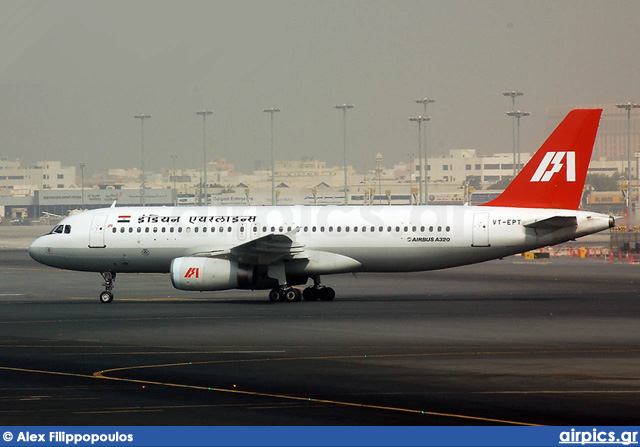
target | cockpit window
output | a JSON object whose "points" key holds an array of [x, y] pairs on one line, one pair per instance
{"points": [[60, 229]]}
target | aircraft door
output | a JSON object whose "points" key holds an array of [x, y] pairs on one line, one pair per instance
{"points": [[96, 233], [480, 232]]}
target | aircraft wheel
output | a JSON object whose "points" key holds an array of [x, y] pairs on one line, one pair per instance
{"points": [[106, 297], [327, 294], [310, 294], [292, 295], [276, 295]]}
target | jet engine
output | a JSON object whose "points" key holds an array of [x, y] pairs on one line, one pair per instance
{"points": [[193, 273]]}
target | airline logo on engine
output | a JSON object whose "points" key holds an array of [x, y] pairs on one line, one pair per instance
{"points": [[552, 163], [192, 272]]}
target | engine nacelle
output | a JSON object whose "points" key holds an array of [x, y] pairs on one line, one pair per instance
{"points": [[193, 273]]}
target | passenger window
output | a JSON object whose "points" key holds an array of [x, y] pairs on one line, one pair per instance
{"points": [[164, 229], [306, 229], [322, 229], [439, 229], [146, 229], [179, 229], [414, 229], [221, 230], [188, 230], [422, 229], [379, 229], [388, 229], [229, 229], [114, 229], [448, 229], [339, 229], [288, 228], [155, 229], [130, 229], [241, 229], [195, 229], [406, 229], [330, 229], [139, 230], [122, 230], [204, 229], [397, 229], [171, 230], [264, 229], [431, 229]]}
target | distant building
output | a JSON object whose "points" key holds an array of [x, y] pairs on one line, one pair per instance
{"points": [[44, 175], [462, 163], [611, 141]]}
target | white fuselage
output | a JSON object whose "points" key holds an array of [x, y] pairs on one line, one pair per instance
{"points": [[377, 238]]}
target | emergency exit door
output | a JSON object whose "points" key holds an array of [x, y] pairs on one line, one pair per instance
{"points": [[480, 233]]}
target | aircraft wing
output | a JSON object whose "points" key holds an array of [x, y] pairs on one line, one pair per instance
{"points": [[262, 251], [553, 223]]}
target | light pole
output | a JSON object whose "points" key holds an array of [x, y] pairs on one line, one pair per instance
{"points": [[142, 117], [173, 158], [628, 107], [425, 101], [518, 114], [204, 114], [513, 94], [271, 111], [409, 166], [344, 108], [82, 165], [420, 119]]}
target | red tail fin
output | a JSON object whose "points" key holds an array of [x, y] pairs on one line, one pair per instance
{"points": [[554, 177]]}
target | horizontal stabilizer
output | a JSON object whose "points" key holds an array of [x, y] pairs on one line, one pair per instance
{"points": [[553, 223]]}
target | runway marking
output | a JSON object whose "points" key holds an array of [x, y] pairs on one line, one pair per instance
{"points": [[99, 375], [314, 400]]}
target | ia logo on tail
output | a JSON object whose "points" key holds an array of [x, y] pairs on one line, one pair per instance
{"points": [[552, 163]]}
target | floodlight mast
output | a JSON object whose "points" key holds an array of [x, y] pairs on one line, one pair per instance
{"points": [[143, 186], [513, 94], [271, 111], [344, 108], [420, 119], [628, 107], [517, 114], [203, 191], [424, 101]]}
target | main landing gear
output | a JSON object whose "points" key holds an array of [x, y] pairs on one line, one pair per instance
{"points": [[109, 278], [312, 293]]}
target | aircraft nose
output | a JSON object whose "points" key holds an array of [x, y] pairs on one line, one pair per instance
{"points": [[37, 250]]}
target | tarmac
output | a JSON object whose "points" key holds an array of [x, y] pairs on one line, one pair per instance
{"points": [[548, 341]]}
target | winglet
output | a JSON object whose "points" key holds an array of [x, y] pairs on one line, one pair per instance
{"points": [[554, 177]]}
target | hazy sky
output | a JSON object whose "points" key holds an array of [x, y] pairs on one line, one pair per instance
{"points": [[74, 73]]}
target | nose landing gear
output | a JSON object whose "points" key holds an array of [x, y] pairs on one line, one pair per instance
{"points": [[109, 278]]}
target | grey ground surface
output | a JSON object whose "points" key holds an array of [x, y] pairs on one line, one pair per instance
{"points": [[512, 341]]}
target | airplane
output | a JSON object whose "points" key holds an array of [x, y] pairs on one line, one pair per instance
{"points": [[279, 247]]}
